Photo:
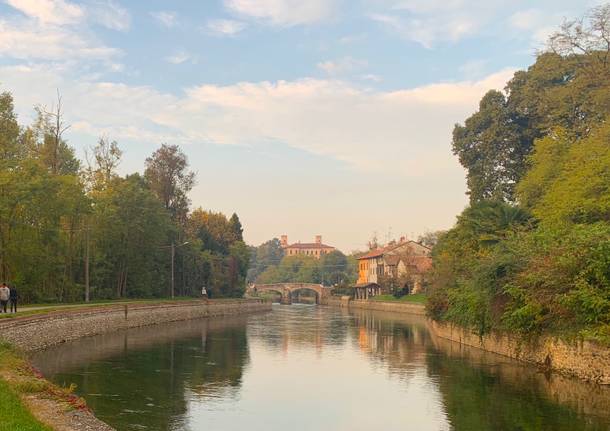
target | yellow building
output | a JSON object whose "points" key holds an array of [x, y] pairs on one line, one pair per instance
{"points": [[314, 249], [393, 259]]}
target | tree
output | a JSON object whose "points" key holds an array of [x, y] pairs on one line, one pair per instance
{"points": [[490, 148], [102, 170], [567, 87], [569, 180], [268, 254], [169, 178], [586, 38], [10, 147], [334, 267], [236, 228], [430, 238]]}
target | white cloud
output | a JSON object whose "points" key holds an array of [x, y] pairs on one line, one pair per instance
{"points": [[178, 57], [225, 27], [28, 40], [371, 77], [341, 66], [49, 11], [165, 18], [535, 25], [110, 14], [284, 12], [430, 30], [407, 131]]}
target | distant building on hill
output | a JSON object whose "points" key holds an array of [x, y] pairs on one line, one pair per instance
{"points": [[315, 249]]}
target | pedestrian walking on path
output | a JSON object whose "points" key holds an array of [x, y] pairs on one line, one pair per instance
{"points": [[13, 298], [5, 295]]}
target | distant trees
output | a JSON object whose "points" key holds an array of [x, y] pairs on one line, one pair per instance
{"points": [[56, 215], [270, 266], [268, 254], [532, 252]]}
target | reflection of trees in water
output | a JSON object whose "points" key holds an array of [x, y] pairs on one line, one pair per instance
{"points": [[484, 391], [152, 382], [480, 390]]}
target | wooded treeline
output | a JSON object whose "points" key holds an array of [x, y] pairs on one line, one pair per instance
{"points": [[268, 264], [531, 254], [57, 213]]}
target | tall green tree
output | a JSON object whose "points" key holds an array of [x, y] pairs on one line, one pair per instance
{"points": [[169, 178]]}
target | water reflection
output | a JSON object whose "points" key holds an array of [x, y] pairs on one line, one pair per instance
{"points": [[305, 368]]}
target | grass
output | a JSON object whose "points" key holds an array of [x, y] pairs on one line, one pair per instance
{"points": [[418, 298], [14, 416]]}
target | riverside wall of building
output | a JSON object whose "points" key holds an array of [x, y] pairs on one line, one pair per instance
{"points": [[45, 330], [582, 359]]}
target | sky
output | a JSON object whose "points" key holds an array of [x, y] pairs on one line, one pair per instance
{"points": [[328, 117]]}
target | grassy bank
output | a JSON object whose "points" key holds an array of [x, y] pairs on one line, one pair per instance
{"points": [[19, 380], [15, 416], [418, 298]]}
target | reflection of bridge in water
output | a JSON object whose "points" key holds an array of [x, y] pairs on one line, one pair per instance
{"points": [[285, 290]]}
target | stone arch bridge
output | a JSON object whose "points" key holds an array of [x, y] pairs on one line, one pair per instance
{"points": [[286, 290]]}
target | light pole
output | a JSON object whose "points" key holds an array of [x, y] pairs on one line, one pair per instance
{"points": [[173, 248]]}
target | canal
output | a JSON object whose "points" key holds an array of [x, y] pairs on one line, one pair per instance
{"points": [[314, 368]]}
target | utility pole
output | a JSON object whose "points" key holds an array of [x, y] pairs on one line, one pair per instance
{"points": [[87, 287], [173, 254]]}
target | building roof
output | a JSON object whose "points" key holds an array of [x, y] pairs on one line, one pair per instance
{"points": [[304, 245], [381, 251], [373, 253], [400, 244]]}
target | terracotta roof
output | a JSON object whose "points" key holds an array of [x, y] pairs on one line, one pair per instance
{"points": [[308, 245], [380, 251], [373, 253]]}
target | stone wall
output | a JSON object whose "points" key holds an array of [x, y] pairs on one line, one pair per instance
{"points": [[582, 359], [394, 307], [42, 331]]}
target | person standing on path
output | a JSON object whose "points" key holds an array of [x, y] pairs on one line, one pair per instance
{"points": [[5, 294], [13, 298]]}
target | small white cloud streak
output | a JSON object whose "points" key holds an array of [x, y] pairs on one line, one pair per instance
{"points": [[178, 57], [225, 27], [341, 66], [57, 12], [167, 19], [110, 14], [284, 12]]}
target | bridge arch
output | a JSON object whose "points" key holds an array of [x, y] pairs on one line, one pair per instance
{"points": [[286, 290]]}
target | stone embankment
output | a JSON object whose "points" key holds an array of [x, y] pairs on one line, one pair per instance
{"points": [[582, 359], [394, 307], [45, 330]]}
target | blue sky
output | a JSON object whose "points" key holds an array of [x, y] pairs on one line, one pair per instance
{"points": [[327, 117]]}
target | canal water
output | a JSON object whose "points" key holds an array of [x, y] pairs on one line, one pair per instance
{"points": [[314, 368]]}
